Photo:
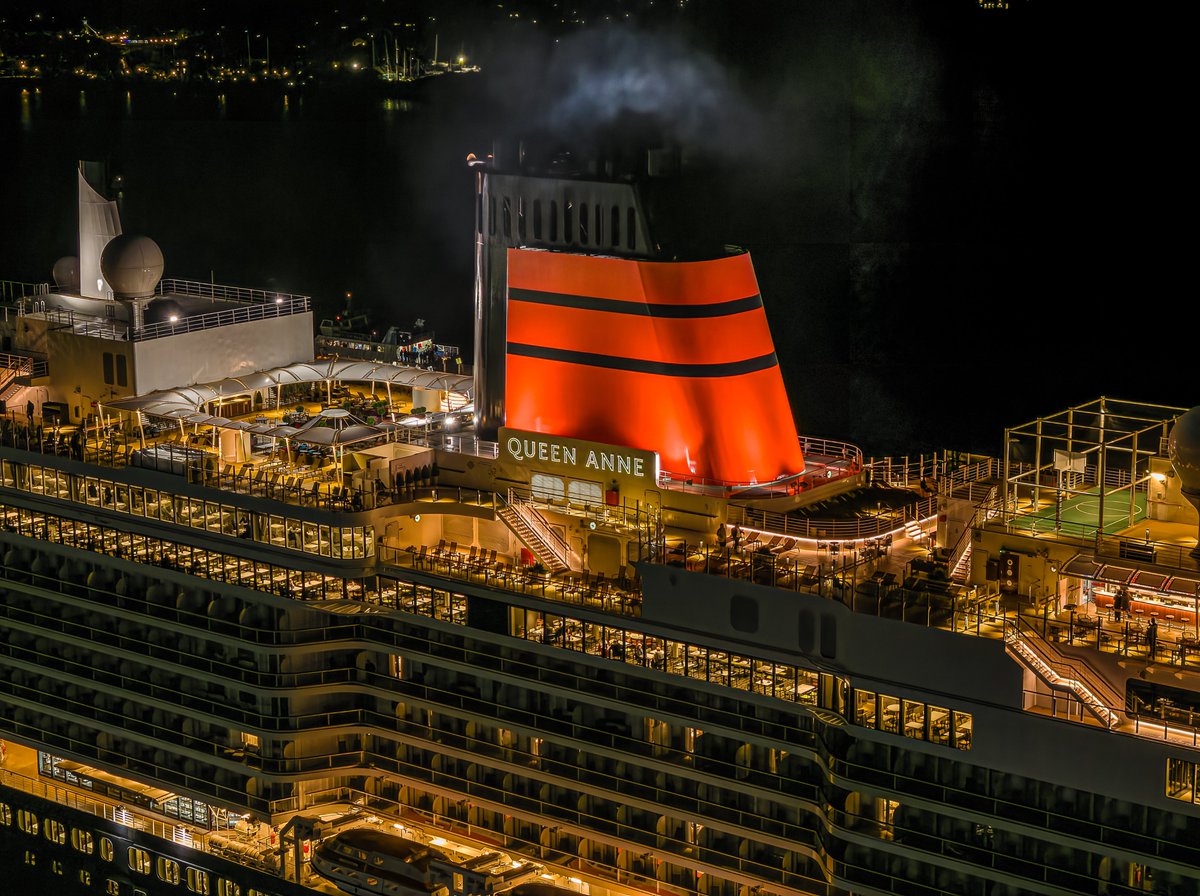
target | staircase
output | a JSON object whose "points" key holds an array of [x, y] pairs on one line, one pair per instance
{"points": [[962, 569], [1028, 648], [12, 368], [535, 533]]}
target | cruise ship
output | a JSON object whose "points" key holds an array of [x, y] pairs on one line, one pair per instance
{"points": [[592, 601]]}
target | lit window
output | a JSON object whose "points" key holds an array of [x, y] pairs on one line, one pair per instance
{"points": [[27, 821], [1181, 780], [167, 869], [197, 881], [55, 831], [139, 860], [82, 841]]}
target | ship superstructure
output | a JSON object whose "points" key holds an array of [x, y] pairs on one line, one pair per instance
{"points": [[706, 656]]}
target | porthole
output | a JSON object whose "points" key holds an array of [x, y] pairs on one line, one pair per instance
{"points": [[55, 831], [83, 841], [139, 860], [27, 821]]}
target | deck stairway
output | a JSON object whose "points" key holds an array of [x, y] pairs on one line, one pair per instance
{"points": [[1028, 647], [12, 368], [962, 569], [535, 533], [913, 530]]}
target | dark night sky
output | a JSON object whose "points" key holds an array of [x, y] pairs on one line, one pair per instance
{"points": [[939, 199]]}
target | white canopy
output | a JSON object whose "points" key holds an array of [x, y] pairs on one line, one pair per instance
{"points": [[185, 401]]}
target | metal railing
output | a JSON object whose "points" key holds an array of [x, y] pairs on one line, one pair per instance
{"points": [[280, 306], [845, 460], [239, 294], [826, 529], [531, 517], [85, 324], [14, 290], [1073, 675]]}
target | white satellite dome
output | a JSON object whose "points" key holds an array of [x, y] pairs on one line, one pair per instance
{"points": [[132, 265], [66, 273], [1183, 447]]}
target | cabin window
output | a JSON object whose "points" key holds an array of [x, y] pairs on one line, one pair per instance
{"points": [[889, 714], [167, 870], [139, 860], [492, 215], [458, 882], [963, 724], [106, 849], [537, 219], [5, 814], [631, 230], [1181, 780], [122, 370], [228, 888], [27, 821], [197, 881], [85, 877], [521, 218], [864, 708], [939, 725], [553, 221], [55, 831], [568, 222], [83, 841], [582, 492], [107, 360], [914, 719], [112, 887], [506, 216], [615, 226], [583, 224], [598, 231], [546, 488]]}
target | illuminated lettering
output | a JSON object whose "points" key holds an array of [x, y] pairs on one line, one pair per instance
{"points": [[568, 455]]}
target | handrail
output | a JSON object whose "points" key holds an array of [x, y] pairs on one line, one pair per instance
{"points": [[1104, 694], [848, 462], [18, 365], [13, 290], [239, 294], [279, 307], [529, 514], [959, 549], [828, 529]]}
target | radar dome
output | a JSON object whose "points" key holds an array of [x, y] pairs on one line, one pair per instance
{"points": [[66, 273], [1183, 447], [132, 265]]}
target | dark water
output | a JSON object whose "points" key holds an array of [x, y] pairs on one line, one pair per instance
{"points": [[931, 262]]}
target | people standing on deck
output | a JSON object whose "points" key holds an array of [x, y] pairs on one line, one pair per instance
{"points": [[737, 539], [1152, 637]]}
